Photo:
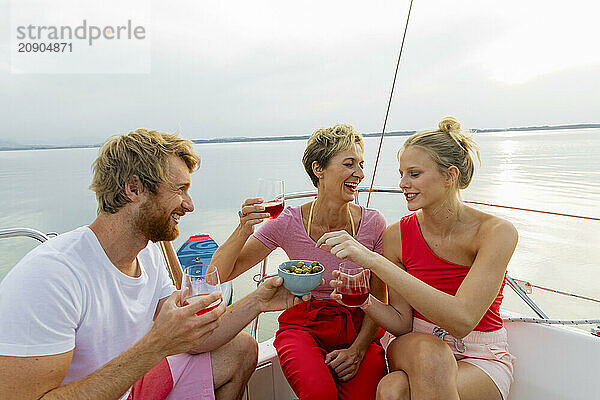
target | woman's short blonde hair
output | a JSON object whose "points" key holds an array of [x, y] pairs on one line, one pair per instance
{"points": [[142, 153], [326, 143]]}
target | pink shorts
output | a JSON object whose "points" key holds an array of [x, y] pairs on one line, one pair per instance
{"points": [[486, 350], [181, 377]]}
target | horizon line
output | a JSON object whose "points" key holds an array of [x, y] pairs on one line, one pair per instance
{"points": [[240, 139]]}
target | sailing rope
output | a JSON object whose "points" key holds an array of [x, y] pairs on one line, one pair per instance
{"points": [[527, 288], [387, 112], [260, 278], [554, 321], [531, 210], [566, 293]]}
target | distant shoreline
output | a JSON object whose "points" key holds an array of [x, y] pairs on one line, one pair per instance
{"points": [[8, 147]]}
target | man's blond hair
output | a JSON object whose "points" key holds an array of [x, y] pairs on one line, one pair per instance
{"points": [[142, 153]]}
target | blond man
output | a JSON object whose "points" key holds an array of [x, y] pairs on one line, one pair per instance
{"points": [[92, 314]]}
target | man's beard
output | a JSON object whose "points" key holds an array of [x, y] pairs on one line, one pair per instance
{"points": [[155, 223]]}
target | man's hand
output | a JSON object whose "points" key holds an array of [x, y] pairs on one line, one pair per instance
{"points": [[342, 245], [178, 329], [175, 330], [272, 296], [344, 362]]}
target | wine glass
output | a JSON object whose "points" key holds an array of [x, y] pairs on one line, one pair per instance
{"points": [[271, 191], [200, 280], [355, 284]]}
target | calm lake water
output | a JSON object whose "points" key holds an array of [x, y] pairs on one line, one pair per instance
{"points": [[556, 171]]}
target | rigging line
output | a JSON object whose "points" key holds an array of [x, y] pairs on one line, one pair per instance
{"points": [[553, 321], [528, 288], [389, 102], [565, 293], [531, 210]]}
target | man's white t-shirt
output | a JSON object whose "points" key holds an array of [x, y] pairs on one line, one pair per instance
{"points": [[67, 295]]}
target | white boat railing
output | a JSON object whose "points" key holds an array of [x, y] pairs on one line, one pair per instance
{"points": [[26, 232]]}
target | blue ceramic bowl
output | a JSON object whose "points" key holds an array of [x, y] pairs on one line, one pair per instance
{"points": [[299, 284]]}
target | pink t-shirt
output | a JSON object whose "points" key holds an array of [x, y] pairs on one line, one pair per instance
{"points": [[287, 231]]}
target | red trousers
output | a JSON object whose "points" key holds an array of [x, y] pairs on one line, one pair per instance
{"points": [[310, 330]]}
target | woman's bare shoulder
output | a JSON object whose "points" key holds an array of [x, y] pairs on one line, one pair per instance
{"points": [[393, 230], [492, 227], [392, 243]]}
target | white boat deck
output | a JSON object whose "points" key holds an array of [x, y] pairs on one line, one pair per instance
{"points": [[553, 363]]}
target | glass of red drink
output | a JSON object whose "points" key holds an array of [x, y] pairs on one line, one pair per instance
{"points": [[355, 284], [272, 193], [200, 280]]}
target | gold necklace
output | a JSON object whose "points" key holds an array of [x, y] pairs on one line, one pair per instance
{"points": [[310, 214]]}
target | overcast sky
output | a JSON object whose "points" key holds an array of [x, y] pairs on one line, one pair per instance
{"points": [[263, 68]]}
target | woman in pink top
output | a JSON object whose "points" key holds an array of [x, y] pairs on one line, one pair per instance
{"points": [[327, 351], [445, 264]]}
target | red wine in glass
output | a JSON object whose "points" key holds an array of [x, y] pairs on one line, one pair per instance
{"points": [[274, 208], [272, 192], [354, 297], [354, 284]]}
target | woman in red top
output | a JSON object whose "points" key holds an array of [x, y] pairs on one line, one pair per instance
{"points": [[445, 264]]}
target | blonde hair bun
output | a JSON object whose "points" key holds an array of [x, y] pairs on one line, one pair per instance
{"points": [[448, 125], [448, 146]]}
